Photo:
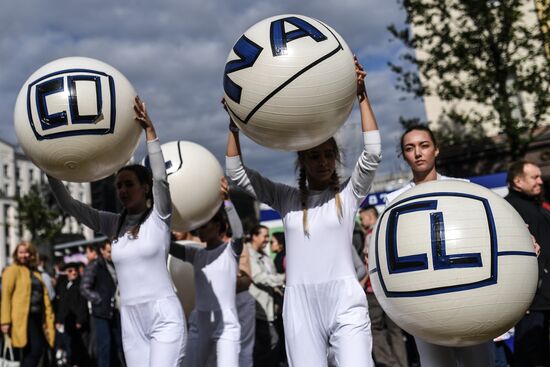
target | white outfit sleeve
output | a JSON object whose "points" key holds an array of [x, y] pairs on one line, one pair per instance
{"points": [[266, 191], [236, 228], [161, 190], [363, 173], [99, 221], [183, 252]]}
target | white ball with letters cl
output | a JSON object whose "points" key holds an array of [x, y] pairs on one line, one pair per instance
{"points": [[453, 263]]}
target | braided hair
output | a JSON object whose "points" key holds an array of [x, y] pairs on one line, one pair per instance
{"points": [[304, 189], [144, 176]]}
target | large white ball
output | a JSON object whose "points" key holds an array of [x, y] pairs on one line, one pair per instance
{"points": [[74, 119], [453, 263], [194, 176], [290, 82]]}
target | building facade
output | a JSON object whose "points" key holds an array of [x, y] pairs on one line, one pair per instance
{"points": [[18, 174], [491, 154]]}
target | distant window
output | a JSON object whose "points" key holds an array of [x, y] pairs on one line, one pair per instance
{"points": [[6, 222]]}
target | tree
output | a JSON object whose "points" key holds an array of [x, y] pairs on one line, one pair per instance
{"points": [[481, 51], [39, 214]]}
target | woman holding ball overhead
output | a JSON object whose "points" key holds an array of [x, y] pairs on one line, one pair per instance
{"points": [[419, 148], [153, 326], [324, 304]]}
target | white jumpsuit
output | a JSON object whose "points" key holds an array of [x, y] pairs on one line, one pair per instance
{"points": [[153, 326], [324, 303], [214, 329], [433, 355]]}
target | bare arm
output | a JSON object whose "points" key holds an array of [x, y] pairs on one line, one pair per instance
{"points": [[363, 174], [368, 121], [233, 143]]}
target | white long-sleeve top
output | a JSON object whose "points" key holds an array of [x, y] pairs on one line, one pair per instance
{"points": [[215, 269], [324, 254], [140, 263]]}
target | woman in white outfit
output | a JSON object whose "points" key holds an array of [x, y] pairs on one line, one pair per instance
{"points": [[324, 304], [420, 150], [153, 326], [216, 331]]}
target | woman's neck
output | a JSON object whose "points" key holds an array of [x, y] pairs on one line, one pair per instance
{"points": [[137, 210], [421, 177], [317, 185]]}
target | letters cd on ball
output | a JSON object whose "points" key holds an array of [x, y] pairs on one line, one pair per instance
{"points": [[453, 263], [290, 82], [74, 119]]}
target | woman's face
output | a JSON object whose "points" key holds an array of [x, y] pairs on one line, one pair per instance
{"points": [[131, 193], [275, 245], [419, 151], [319, 163], [23, 255]]}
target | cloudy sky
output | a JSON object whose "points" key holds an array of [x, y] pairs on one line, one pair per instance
{"points": [[174, 53]]}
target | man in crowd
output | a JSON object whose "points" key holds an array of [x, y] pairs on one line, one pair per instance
{"points": [[264, 281], [100, 287], [388, 346], [531, 345], [72, 318]]}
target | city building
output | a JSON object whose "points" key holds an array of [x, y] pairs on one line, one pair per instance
{"points": [[18, 176]]}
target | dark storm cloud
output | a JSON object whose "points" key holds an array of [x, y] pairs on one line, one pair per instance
{"points": [[174, 53]]}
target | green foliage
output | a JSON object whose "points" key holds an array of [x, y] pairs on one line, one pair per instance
{"points": [[481, 51], [39, 214]]}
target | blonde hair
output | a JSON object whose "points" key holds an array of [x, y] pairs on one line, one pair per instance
{"points": [[304, 190], [32, 253]]}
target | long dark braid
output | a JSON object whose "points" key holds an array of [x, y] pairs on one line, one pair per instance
{"points": [[144, 176]]}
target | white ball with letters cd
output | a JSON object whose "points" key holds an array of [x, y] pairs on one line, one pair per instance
{"points": [[74, 119], [290, 82], [452, 263], [194, 176]]}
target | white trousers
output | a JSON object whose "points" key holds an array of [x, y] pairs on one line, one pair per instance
{"points": [[153, 333], [433, 355], [214, 339], [333, 314], [246, 310]]}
